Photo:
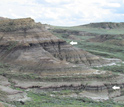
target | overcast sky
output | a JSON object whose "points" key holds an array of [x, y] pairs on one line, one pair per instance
{"points": [[64, 12]]}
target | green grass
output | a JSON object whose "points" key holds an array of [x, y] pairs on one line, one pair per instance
{"points": [[104, 49], [93, 30], [44, 100], [100, 53], [84, 38], [2, 94], [115, 68]]}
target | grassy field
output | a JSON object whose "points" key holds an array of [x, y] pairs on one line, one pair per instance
{"points": [[45, 100], [103, 49], [93, 30], [115, 68]]}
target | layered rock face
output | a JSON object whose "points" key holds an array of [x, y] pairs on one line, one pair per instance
{"points": [[29, 45]]}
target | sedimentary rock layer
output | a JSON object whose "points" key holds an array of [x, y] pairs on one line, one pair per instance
{"points": [[29, 45]]}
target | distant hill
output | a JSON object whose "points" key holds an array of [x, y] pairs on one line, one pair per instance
{"points": [[105, 25], [93, 28], [103, 38]]}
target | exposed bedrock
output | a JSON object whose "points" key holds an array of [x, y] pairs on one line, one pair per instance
{"points": [[27, 44], [7, 93], [101, 90]]}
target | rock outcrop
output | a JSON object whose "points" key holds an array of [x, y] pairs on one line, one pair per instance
{"points": [[30, 46], [9, 94]]}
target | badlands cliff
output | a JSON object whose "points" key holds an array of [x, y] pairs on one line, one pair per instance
{"points": [[34, 61], [30, 47]]}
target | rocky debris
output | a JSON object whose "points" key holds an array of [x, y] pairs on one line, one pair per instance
{"points": [[18, 97]]}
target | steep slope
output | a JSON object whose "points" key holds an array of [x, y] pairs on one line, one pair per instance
{"points": [[30, 46]]}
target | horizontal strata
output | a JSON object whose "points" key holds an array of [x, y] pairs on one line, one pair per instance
{"points": [[31, 46]]}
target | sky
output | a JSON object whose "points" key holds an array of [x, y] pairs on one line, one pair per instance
{"points": [[64, 12]]}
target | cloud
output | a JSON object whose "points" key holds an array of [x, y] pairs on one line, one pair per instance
{"points": [[58, 1], [113, 5], [64, 12]]}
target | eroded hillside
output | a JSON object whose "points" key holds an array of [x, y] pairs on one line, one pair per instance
{"points": [[31, 47], [38, 68]]}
